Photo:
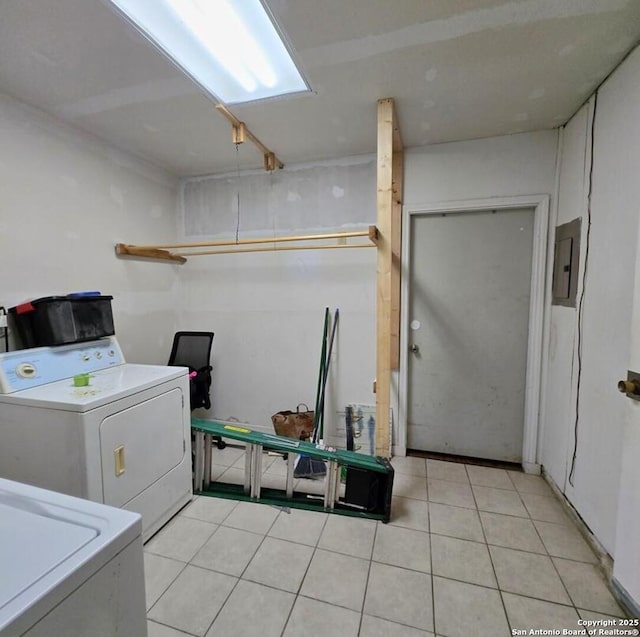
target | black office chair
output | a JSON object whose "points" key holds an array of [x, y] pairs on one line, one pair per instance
{"points": [[193, 350]]}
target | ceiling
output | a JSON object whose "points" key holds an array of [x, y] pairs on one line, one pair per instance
{"points": [[457, 69]]}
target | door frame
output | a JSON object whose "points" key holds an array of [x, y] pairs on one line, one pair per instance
{"points": [[540, 204]]}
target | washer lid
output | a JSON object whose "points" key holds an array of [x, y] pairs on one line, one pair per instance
{"points": [[32, 544], [49, 544]]}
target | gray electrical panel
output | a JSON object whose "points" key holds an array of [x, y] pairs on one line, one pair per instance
{"points": [[566, 263]]}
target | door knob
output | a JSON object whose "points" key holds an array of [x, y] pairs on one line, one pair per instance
{"points": [[631, 386], [415, 349]]}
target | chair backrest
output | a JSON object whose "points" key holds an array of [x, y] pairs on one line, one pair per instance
{"points": [[191, 349]]}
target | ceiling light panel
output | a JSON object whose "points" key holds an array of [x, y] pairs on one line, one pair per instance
{"points": [[231, 48]]}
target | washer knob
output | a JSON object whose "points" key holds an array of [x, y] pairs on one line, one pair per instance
{"points": [[26, 370]]}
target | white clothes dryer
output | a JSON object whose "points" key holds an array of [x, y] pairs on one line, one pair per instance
{"points": [[124, 439]]}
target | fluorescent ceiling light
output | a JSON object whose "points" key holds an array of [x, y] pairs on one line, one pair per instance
{"points": [[231, 48]]}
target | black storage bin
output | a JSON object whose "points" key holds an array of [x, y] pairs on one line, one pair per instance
{"points": [[59, 320], [370, 490], [22, 325]]}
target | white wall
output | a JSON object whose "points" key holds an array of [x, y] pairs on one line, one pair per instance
{"points": [[608, 301], [511, 165], [558, 405], [65, 200], [267, 309]]}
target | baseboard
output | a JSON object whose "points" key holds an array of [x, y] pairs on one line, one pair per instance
{"points": [[532, 468], [605, 560], [628, 603]]}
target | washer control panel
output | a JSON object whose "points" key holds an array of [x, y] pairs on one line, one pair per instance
{"points": [[27, 368]]}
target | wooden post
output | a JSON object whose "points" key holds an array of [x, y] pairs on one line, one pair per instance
{"points": [[389, 203], [396, 249]]}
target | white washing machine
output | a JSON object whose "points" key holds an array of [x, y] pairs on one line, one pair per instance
{"points": [[69, 567], [123, 440]]}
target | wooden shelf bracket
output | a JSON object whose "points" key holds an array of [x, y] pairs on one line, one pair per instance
{"points": [[122, 249], [240, 131]]}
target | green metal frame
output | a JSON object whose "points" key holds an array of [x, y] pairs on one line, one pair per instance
{"points": [[278, 497]]}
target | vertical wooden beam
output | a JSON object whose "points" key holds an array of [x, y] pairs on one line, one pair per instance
{"points": [[396, 252], [388, 200]]}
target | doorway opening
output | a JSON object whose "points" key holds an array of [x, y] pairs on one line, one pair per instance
{"points": [[471, 344]]}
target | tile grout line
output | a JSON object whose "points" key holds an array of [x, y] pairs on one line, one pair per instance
{"points": [[164, 590], [493, 566], [366, 583], [178, 630], [337, 552], [555, 569], [547, 554], [297, 594], [371, 560], [239, 578], [511, 515], [295, 598], [185, 564], [433, 584]]}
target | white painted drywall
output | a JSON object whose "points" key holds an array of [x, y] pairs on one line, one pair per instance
{"points": [[266, 309], [494, 167], [513, 165], [321, 197], [267, 313], [607, 304], [558, 407], [65, 200]]}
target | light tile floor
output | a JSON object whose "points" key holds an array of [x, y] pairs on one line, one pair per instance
{"points": [[469, 551]]}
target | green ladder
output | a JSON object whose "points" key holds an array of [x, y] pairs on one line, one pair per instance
{"points": [[369, 479]]}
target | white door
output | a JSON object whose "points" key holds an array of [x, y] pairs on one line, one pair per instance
{"points": [[470, 287], [141, 444], [626, 568]]}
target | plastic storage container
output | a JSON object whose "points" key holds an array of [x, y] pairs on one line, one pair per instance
{"points": [[59, 320]]}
